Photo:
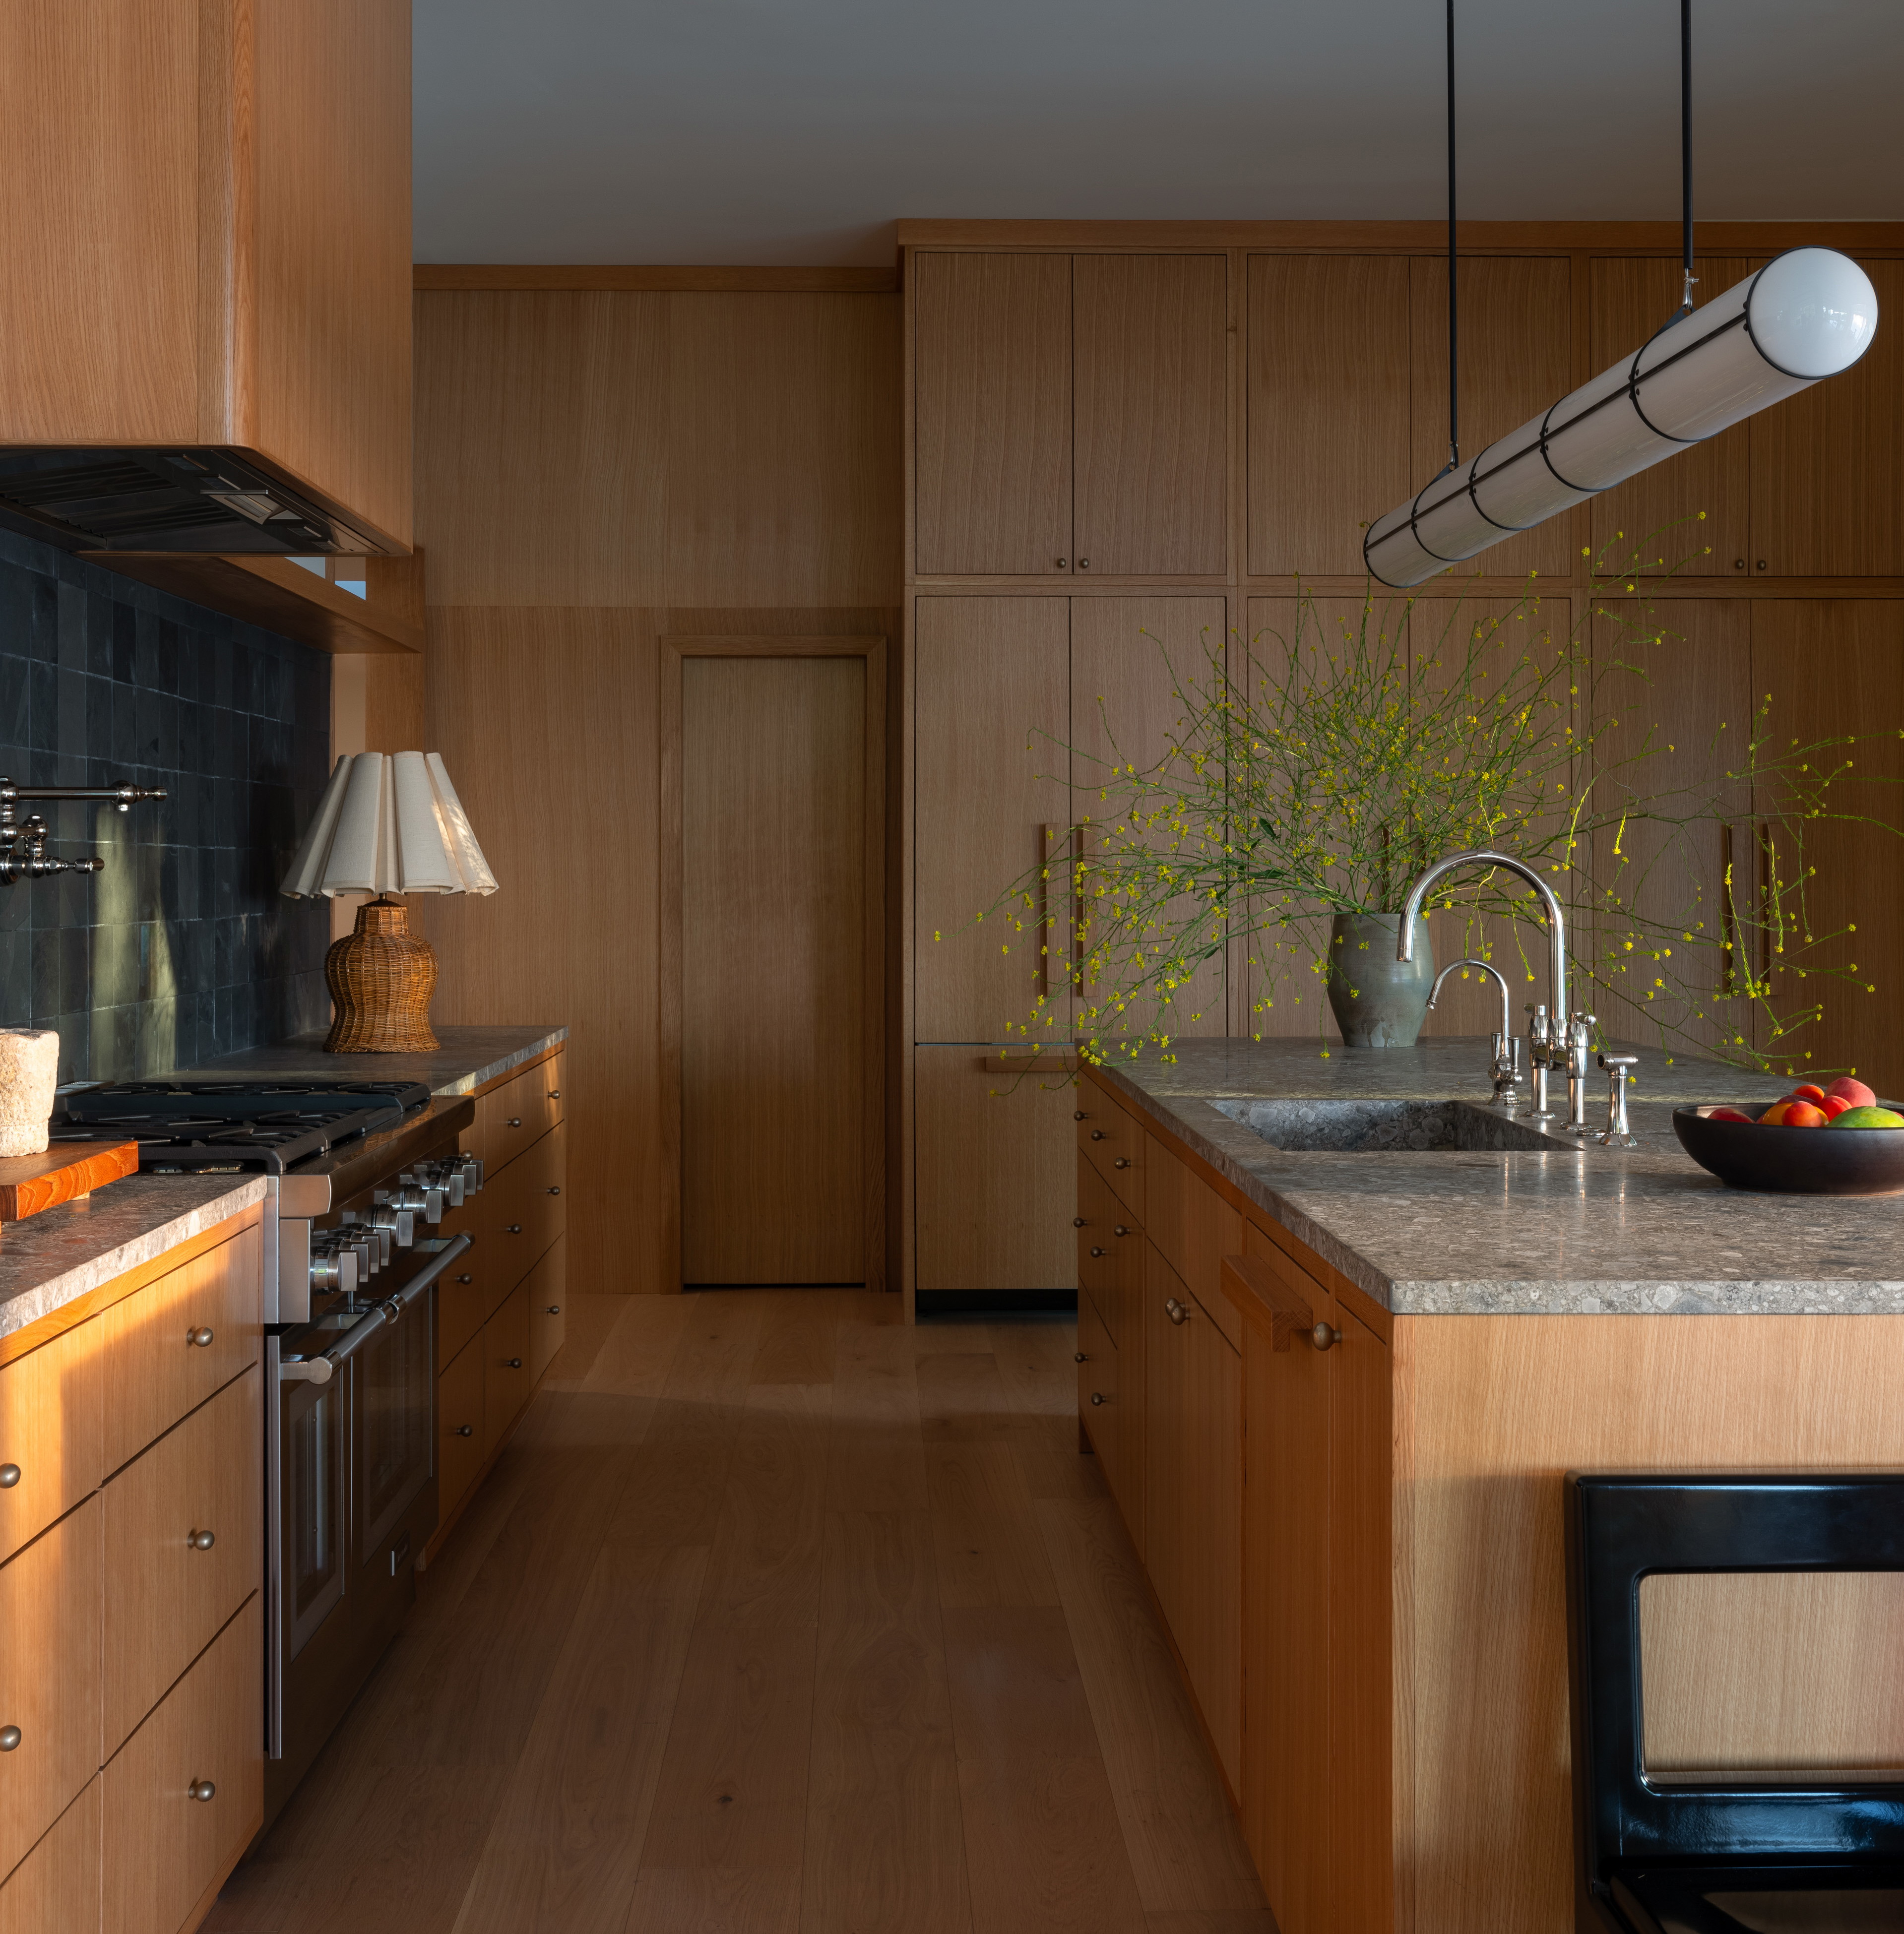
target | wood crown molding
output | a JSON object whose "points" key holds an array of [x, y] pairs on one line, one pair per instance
{"points": [[1429, 238], [640, 277]]}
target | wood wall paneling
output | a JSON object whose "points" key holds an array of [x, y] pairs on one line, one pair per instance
{"points": [[1654, 517], [1130, 657], [991, 690], [1328, 407], [1827, 465], [1831, 669], [1517, 358], [995, 1174], [1151, 391], [992, 429]]}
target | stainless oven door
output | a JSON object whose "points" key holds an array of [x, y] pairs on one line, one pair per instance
{"points": [[313, 1455], [395, 1421]]}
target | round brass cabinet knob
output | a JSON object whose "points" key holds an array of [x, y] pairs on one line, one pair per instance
{"points": [[1122, 1162], [1096, 1252], [465, 1430], [200, 1338], [1176, 1310], [465, 1279], [1077, 1114], [555, 1309], [1084, 564], [1079, 1357], [202, 1789], [1324, 1338], [200, 1540], [9, 1738], [9, 1476], [555, 1094], [1097, 1396], [512, 1229], [512, 1363], [515, 1121], [1118, 1229], [1761, 564], [1738, 564], [1077, 1221], [1097, 1135], [555, 1191]]}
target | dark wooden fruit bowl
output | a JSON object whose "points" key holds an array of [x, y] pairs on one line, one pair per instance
{"points": [[1793, 1161]]}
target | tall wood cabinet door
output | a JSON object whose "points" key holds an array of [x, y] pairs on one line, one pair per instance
{"points": [[992, 439], [1193, 1497], [1517, 328], [1131, 658], [991, 688], [1361, 1548], [1627, 300], [1151, 344], [1832, 668], [1827, 465], [1328, 400], [1287, 1816], [56, 1887], [995, 1176]]}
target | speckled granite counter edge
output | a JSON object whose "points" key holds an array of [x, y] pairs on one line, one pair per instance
{"points": [[1241, 1159], [468, 1084], [116, 1229]]}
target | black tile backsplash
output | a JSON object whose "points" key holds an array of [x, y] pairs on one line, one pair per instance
{"points": [[183, 948]]}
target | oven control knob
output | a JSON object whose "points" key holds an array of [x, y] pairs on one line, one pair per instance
{"points": [[418, 1197], [333, 1267], [399, 1225]]}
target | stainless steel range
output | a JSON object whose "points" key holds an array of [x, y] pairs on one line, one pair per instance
{"points": [[358, 1176]]}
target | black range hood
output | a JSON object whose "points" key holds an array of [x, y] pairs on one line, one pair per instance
{"points": [[176, 500]]}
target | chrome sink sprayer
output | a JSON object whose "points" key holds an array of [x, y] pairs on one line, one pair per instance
{"points": [[1559, 1037]]}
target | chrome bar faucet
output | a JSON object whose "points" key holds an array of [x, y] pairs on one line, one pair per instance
{"points": [[1508, 1064]]}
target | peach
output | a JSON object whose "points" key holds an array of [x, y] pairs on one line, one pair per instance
{"points": [[1807, 1091], [1803, 1115], [1774, 1116], [1728, 1115], [1853, 1091], [1834, 1105]]}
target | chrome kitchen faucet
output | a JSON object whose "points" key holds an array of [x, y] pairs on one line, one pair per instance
{"points": [[1566, 1040], [1509, 1064]]}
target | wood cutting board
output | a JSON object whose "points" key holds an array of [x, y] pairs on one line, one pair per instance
{"points": [[31, 1182]]}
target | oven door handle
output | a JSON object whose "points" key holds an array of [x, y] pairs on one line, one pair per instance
{"points": [[320, 1369]]}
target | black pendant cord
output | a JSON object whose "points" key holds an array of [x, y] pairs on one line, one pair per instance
{"points": [[1685, 150], [1453, 306]]}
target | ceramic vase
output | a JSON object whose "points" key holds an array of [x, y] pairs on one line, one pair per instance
{"points": [[1378, 1001]]}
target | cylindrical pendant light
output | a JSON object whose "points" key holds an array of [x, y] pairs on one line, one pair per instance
{"points": [[1806, 316]]}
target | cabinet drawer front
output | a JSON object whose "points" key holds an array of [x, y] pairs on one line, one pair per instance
{"points": [[468, 1296], [1110, 1252], [520, 1113], [1096, 1382], [1115, 1145], [513, 1220], [52, 1433], [165, 1597], [56, 1887], [156, 1370], [50, 1596], [164, 1847], [506, 1380], [460, 1443], [548, 1301]]}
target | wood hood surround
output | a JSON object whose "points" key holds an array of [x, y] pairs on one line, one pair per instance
{"points": [[208, 240]]}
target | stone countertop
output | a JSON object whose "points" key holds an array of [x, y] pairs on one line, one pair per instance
{"points": [[466, 1059], [1485, 1233], [48, 1260]]}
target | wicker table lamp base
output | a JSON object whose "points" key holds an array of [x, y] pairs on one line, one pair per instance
{"points": [[380, 979]]}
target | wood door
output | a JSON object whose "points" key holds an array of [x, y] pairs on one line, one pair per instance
{"points": [[53, 1402], [1193, 1498], [995, 1175], [1288, 1667], [1628, 299], [1827, 465], [774, 1162], [507, 1384], [1130, 659], [1329, 407], [1832, 668], [1361, 1585], [991, 696], [57, 1885], [991, 362], [1517, 358], [1151, 345]]}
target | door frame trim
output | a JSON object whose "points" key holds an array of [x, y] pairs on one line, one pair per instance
{"points": [[675, 649]]}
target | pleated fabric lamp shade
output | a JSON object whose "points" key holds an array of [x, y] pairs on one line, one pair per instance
{"points": [[388, 823]]}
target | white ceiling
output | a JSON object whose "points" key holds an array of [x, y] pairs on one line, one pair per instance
{"points": [[788, 132]]}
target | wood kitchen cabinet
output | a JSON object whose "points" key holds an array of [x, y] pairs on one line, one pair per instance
{"points": [[210, 242], [131, 1655], [1071, 414]]}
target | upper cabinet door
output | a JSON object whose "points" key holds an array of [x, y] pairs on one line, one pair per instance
{"points": [[1653, 519], [993, 439], [1329, 407], [1827, 464], [1517, 358], [1151, 341], [991, 692]]}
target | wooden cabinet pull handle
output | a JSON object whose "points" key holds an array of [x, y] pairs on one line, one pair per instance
{"points": [[9, 1476]]}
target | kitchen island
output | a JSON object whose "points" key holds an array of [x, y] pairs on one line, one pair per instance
{"points": [[1335, 1389]]}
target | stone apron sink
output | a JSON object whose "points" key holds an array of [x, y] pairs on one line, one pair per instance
{"points": [[1375, 1127]]}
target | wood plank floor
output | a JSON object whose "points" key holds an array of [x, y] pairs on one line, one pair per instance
{"points": [[775, 1616]]}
